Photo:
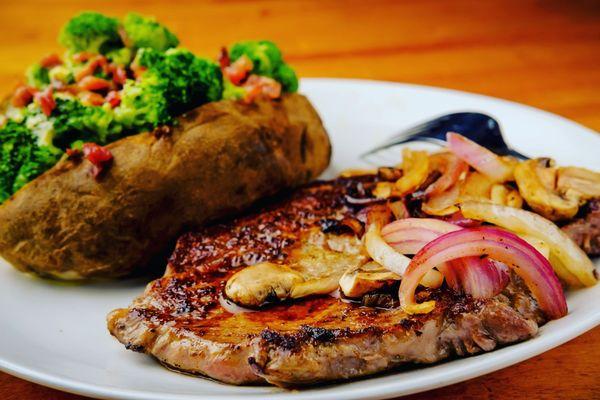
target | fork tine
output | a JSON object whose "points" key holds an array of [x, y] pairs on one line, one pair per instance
{"points": [[388, 156], [478, 127], [402, 137]]}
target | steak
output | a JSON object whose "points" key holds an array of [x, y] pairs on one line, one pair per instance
{"points": [[585, 231], [184, 320]]}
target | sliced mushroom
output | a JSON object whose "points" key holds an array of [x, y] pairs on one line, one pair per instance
{"points": [[546, 172], [479, 187], [578, 182], [415, 169], [476, 187], [314, 267], [383, 190], [346, 244], [505, 196], [315, 286], [360, 280], [323, 255], [255, 285], [389, 174], [539, 197]]}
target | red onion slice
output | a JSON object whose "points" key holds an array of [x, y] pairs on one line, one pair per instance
{"points": [[500, 245], [478, 157], [477, 277], [452, 168], [381, 252], [409, 235], [480, 278], [459, 219]]}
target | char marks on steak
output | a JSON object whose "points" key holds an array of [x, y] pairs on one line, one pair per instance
{"points": [[180, 318]]}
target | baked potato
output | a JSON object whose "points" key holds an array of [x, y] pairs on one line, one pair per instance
{"points": [[217, 160]]}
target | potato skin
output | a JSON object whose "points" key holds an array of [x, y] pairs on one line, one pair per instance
{"points": [[219, 160]]}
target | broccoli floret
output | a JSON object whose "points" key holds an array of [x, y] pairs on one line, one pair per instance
{"points": [[143, 104], [21, 158], [42, 158], [74, 121], [62, 73], [287, 77], [148, 58], [147, 33], [170, 81], [265, 55], [173, 82], [37, 76], [192, 80], [38, 124], [77, 145], [120, 56], [267, 61], [91, 32]]}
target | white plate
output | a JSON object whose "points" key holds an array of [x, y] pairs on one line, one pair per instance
{"points": [[55, 334]]}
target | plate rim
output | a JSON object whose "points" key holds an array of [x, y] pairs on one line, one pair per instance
{"points": [[431, 88], [475, 366], [479, 367]]}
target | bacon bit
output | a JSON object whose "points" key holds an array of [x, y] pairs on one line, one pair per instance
{"points": [[82, 73], [91, 98], [72, 89], [74, 154], [82, 57], [92, 66], [119, 75], [261, 86], [239, 70], [252, 93], [271, 88], [113, 98], [99, 156], [224, 60], [46, 100], [104, 64], [138, 70], [51, 60], [23, 96], [93, 83]]}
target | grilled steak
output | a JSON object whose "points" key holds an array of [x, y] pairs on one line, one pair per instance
{"points": [[585, 231], [183, 320]]}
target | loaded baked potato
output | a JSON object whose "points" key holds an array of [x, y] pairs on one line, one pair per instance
{"points": [[216, 138]]}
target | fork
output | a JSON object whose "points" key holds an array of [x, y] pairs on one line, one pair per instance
{"points": [[478, 127]]}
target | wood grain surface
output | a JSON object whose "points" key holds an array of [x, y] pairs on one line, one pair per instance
{"points": [[542, 53]]}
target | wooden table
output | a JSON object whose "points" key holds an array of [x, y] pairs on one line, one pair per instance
{"points": [[542, 53]]}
